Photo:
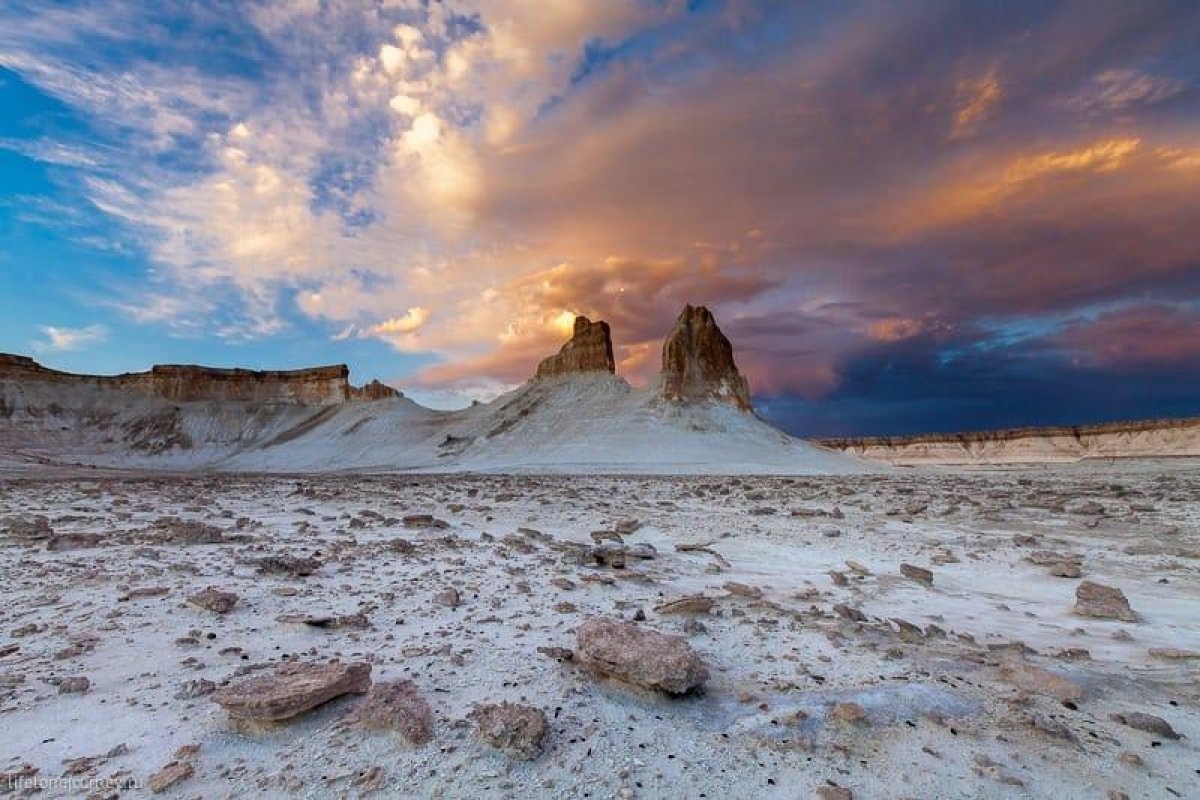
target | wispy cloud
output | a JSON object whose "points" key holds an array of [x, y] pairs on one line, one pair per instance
{"points": [[62, 339]]}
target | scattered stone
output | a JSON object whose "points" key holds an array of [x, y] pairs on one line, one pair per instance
{"points": [[1104, 602], [695, 604], [76, 684], [918, 574], [1148, 723], [173, 530], [29, 529], [640, 656], [1173, 653], [199, 687], [169, 775], [518, 731], [143, 591], [834, 793], [73, 541], [448, 598], [214, 600], [743, 590], [847, 713], [292, 689], [297, 566], [560, 653], [357, 621], [398, 706], [424, 521], [846, 612], [1066, 569]]}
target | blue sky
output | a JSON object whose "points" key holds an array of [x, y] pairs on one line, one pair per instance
{"points": [[906, 216]]}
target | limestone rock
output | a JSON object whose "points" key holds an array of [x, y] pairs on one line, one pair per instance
{"points": [[292, 689], [516, 730], [698, 362], [1104, 602], [588, 350], [640, 656], [398, 706]]}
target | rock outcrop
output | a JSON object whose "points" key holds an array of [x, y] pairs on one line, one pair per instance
{"points": [[589, 350], [183, 383], [697, 362]]}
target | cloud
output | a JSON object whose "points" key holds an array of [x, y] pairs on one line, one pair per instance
{"points": [[885, 180], [1119, 89], [63, 339]]}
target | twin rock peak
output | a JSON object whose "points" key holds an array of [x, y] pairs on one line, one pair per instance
{"points": [[697, 359]]}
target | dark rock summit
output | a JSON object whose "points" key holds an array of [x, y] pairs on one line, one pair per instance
{"points": [[698, 362], [589, 350]]}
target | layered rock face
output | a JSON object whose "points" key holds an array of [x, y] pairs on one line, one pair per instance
{"points": [[1143, 438], [698, 362], [317, 386], [589, 350]]}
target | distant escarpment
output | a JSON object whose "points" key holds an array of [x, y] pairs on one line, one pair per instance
{"points": [[317, 386], [589, 350], [697, 362], [1138, 439]]}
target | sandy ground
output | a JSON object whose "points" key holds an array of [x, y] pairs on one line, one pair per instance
{"points": [[948, 713]]}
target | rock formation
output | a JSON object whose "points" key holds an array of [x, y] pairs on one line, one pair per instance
{"points": [[375, 390], [589, 350], [315, 386], [698, 362]]}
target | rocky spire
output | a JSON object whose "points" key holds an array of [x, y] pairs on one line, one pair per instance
{"points": [[698, 362], [589, 350]]}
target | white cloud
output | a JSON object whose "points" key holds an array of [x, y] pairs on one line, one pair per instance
{"points": [[62, 339]]}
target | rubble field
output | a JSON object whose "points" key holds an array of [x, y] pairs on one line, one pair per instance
{"points": [[1000, 634]]}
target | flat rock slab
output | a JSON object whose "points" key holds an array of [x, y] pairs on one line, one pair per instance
{"points": [[292, 690], [640, 656]]}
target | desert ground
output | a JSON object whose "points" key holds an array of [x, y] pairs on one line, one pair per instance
{"points": [[831, 672]]}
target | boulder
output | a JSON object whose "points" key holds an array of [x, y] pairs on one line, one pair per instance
{"points": [[639, 656], [1103, 602], [697, 362], [292, 689], [588, 350], [516, 730]]}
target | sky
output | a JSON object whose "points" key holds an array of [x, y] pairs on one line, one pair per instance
{"points": [[907, 217]]}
